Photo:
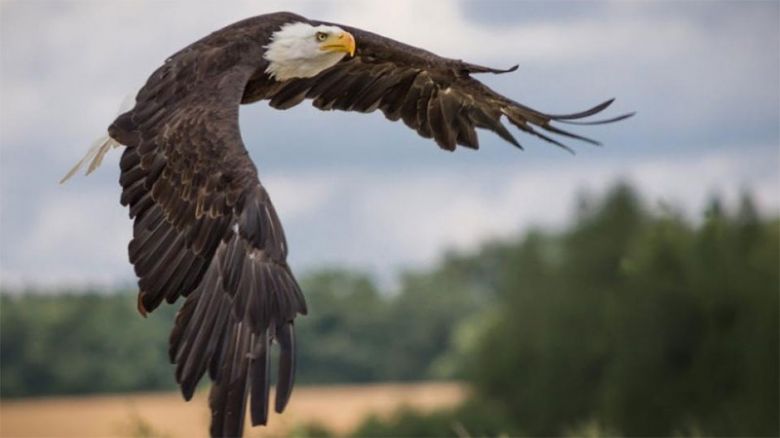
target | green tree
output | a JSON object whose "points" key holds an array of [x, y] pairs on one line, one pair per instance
{"points": [[644, 323], [80, 343]]}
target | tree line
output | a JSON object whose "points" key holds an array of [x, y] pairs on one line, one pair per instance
{"points": [[631, 320]]}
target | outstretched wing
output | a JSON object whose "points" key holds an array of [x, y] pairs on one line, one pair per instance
{"points": [[435, 96], [205, 228]]}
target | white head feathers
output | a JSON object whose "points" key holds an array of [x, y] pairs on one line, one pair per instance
{"points": [[295, 51]]}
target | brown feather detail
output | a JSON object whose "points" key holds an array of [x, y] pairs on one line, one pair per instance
{"points": [[260, 378], [140, 304], [440, 124], [467, 135], [393, 99]]}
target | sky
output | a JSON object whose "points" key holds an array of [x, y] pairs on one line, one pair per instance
{"points": [[358, 191]]}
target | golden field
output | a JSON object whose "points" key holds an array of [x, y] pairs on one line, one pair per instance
{"points": [[339, 408]]}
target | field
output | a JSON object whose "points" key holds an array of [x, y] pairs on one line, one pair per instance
{"points": [[339, 408]]}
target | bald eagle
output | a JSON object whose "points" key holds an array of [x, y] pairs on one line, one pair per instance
{"points": [[204, 227]]}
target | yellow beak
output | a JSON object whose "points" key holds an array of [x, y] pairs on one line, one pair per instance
{"points": [[342, 42]]}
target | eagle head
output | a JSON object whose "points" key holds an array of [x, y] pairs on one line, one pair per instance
{"points": [[301, 50]]}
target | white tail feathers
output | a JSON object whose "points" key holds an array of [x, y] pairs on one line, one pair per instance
{"points": [[94, 156], [100, 146]]}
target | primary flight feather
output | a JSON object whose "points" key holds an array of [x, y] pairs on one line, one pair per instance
{"points": [[204, 227]]}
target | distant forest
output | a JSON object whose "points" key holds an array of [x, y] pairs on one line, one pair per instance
{"points": [[631, 321]]}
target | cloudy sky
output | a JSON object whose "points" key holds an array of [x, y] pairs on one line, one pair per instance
{"points": [[356, 190]]}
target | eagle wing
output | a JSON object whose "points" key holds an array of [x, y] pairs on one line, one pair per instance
{"points": [[205, 228], [435, 96]]}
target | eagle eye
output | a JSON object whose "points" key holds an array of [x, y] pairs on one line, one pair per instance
{"points": [[321, 36]]}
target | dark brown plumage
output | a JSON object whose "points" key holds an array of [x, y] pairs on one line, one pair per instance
{"points": [[204, 226]]}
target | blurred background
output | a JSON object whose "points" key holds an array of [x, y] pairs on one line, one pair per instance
{"points": [[630, 289]]}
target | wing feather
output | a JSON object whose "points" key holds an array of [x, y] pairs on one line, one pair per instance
{"points": [[435, 96], [205, 229], [284, 384], [260, 375]]}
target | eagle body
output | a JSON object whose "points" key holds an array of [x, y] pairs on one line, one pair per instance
{"points": [[204, 227]]}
